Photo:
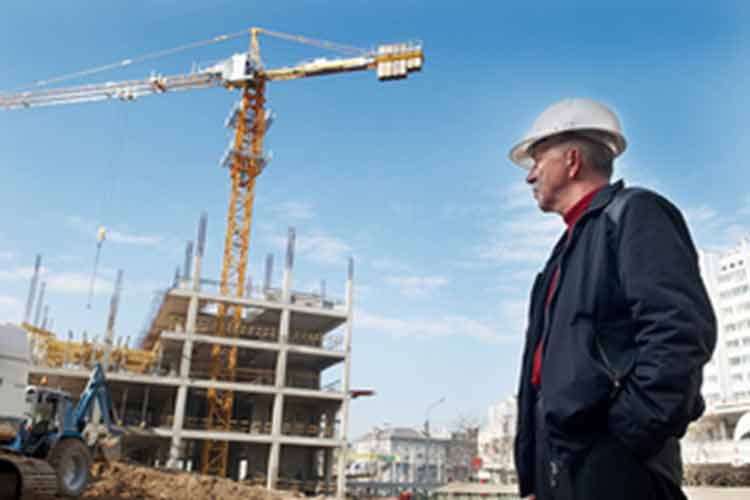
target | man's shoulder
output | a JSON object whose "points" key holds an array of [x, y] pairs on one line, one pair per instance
{"points": [[635, 197]]}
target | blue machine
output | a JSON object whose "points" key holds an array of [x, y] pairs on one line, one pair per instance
{"points": [[55, 445]]}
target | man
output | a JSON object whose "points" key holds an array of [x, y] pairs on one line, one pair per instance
{"points": [[619, 328]]}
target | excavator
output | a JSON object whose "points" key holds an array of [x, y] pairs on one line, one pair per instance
{"points": [[49, 449]]}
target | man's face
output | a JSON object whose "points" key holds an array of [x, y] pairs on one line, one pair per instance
{"points": [[549, 176]]}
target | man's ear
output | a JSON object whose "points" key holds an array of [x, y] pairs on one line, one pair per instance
{"points": [[573, 162]]}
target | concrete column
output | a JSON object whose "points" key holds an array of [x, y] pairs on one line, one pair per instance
{"points": [[341, 483], [110, 332], [39, 304], [278, 404], [412, 464], [144, 406], [32, 289], [175, 449], [327, 466], [123, 405]]}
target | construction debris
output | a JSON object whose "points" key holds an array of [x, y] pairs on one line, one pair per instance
{"points": [[118, 481], [716, 475]]}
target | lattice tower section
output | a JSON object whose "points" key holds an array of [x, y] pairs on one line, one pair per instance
{"points": [[247, 162]]}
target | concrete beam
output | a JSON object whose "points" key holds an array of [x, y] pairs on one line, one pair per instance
{"points": [[214, 339], [311, 441], [215, 435], [265, 304], [176, 382], [309, 393], [112, 376], [232, 386], [254, 344], [316, 351], [216, 298], [243, 437]]}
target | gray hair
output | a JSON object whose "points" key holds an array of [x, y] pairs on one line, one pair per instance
{"points": [[595, 153]]}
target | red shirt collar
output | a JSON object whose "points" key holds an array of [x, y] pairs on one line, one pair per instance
{"points": [[574, 213]]}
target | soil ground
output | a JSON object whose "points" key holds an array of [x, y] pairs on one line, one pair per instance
{"points": [[118, 481]]}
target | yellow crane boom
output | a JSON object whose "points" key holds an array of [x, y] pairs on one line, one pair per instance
{"points": [[244, 158]]}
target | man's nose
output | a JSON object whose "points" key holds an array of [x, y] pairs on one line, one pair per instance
{"points": [[531, 177]]}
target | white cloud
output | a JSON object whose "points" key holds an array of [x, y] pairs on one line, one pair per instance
{"points": [[635, 176], [113, 235], [317, 247], [293, 210], [443, 326], [77, 283], [19, 273], [745, 208], [7, 255], [700, 214], [714, 231], [62, 282], [322, 248], [415, 286], [525, 237], [11, 309], [521, 233], [737, 232], [514, 313], [518, 196], [385, 264], [133, 239]]}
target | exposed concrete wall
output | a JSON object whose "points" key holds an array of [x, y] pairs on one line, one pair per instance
{"points": [[297, 463]]}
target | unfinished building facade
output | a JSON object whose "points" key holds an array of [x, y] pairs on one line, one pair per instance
{"points": [[290, 388]]}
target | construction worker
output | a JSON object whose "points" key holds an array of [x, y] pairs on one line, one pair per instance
{"points": [[620, 324]]}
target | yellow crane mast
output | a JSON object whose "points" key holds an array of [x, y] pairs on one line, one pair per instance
{"points": [[244, 159]]}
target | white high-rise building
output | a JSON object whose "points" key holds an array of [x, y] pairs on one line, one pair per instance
{"points": [[496, 442], [718, 435], [727, 376]]}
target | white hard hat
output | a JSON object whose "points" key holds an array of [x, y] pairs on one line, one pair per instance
{"points": [[582, 116]]}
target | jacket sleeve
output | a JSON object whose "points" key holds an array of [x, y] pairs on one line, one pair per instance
{"points": [[675, 326]]}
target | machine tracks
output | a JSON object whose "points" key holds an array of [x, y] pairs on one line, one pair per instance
{"points": [[38, 478]]}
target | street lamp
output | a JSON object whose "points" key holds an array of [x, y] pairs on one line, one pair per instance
{"points": [[427, 434]]}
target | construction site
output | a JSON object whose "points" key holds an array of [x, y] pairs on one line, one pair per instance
{"points": [[283, 428], [231, 378]]}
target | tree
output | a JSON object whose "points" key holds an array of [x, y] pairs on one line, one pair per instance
{"points": [[462, 448]]}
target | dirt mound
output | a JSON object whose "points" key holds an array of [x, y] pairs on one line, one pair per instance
{"points": [[119, 481], [716, 475]]}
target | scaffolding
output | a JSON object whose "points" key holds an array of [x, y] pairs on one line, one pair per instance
{"points": [[288, 422]]}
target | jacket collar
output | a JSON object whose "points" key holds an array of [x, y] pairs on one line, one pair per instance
{"points": [[601, 200], [605, 195]]}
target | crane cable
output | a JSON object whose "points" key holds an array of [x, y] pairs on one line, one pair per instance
{"points": [[135, 60], [107, 199], [101, 234], [322, 44], [346, 49]]}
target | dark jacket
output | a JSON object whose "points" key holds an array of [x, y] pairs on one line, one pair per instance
{"points": [[626, 334]]}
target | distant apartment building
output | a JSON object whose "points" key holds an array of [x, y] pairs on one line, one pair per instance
{"points": [[718, 436], [399, 455], [496, 442]]}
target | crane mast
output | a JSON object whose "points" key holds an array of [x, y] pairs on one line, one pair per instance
{"points": [[245, 161]]}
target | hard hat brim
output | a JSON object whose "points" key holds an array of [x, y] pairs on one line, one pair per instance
{"points": [[520, 154]]}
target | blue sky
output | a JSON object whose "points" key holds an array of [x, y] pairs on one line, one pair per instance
{"points": [[411, 177]]}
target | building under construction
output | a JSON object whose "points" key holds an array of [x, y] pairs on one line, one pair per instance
{"points": [[287, 425], [227, 379]]}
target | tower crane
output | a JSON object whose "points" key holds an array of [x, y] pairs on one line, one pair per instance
{"points": [[244, 158]]}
